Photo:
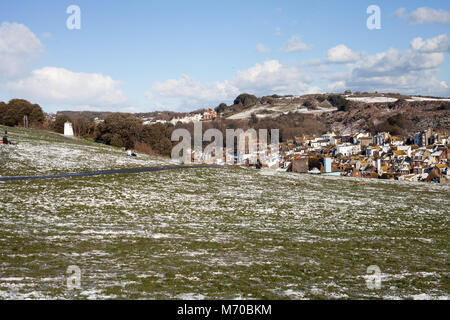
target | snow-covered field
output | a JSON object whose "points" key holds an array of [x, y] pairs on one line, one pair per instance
{"points": [[277, 110], [426, 99], [388, 99], [37, 153], [222, 233], [372, 99]]}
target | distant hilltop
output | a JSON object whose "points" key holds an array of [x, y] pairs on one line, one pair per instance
{"points": [[345, 112]]}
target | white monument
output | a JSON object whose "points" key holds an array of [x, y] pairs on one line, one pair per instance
{"points": [[68, 130]]}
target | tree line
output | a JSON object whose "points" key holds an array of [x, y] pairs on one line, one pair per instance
{"points": [[13, 113], [121, 130]]}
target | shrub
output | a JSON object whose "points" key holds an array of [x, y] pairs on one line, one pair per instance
{"points": [[83, 127], [157, 137], [246, 100], [144, 148], [12, 114], [119, 129], [58, 124], [339, 102], [220, 108]]}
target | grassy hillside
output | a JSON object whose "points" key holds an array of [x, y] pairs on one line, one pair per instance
{"points": [[40, 152], [217, 233]]}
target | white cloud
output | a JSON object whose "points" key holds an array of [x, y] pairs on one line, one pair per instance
{"points": [[149, 94], [51, 85], [260, 48], [341, 54], [18, 46], [400, 13], [412, 71], [271, 77], [47, 35], [193, 92], [295, 45], [322, 68], [394, 62], [261, 79], [337, 86], [440, 43], [278, 31], [429, 15], [311, 62]]}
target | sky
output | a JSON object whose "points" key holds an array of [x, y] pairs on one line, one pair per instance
{"points": [[141, 56]]}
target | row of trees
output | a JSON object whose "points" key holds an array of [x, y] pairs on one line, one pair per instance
{"points": [[126, 130], [82, 127], [121, 130], [13, 112], [245, 100]]}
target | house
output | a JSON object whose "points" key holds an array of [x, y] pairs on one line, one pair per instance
{"points": [[358, 136], [438, 156], [210, 114], [348, 149], [300, 165], [365, 141], [327, 136], [317, 143], [399, 154], [373, 151], [381, 138], [424, 138], [397, 141], [405, 149], [188, 119]]}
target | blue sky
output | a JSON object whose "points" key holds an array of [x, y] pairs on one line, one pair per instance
{"points": [[183, 55]]}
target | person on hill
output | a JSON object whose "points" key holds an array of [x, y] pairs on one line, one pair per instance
{"points": [[258, 164], [130, 153], [5, 137]]}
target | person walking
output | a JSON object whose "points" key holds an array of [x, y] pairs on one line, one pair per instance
{"points": [[5, 137]]}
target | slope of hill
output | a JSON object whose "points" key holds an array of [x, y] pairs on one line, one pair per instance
{"points": [[352, 113], [38, 152], [252, 234], [344, 113], [402, 116]]}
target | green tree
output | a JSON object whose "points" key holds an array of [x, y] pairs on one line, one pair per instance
{"points": [[246, 100], [253, 119], [221, 108], [16, 109], [120, 130], [339, 102], [58, 124], [83, 127], [158, 136], [3, 108]]}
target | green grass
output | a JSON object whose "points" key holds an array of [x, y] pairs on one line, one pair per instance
{"points": [[39, 152], [223, 233]]}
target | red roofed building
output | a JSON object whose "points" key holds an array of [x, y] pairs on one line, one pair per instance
{"points": [[210, 114]]}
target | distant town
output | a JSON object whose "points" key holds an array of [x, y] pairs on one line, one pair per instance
{"points": [[378, 136], [422, 157]]}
